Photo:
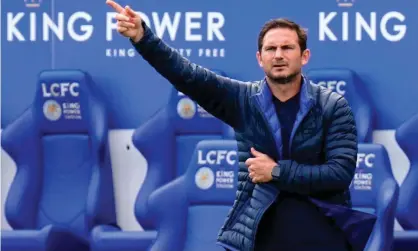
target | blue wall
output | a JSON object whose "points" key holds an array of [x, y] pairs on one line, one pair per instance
{"points": [[135, 91]]}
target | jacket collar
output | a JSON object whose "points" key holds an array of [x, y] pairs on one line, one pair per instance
{"points": [[307, 97]]}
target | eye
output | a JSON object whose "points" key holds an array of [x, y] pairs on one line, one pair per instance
{"points": [[287, 47]]}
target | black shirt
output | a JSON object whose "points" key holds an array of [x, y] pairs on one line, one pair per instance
{"points": [[286, 112]]}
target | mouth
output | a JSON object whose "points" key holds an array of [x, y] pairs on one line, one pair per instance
{"points": [[279, 66]]}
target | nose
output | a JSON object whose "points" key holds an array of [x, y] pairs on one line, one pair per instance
{"points": [[278, 54]]}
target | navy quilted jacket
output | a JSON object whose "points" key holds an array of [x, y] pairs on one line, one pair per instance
{"points": [[323, 144]]}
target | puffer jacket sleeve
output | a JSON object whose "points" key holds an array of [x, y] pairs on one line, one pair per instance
{"points": [[341, 150], [218, 95]]}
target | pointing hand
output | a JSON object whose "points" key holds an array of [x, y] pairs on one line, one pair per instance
{"points": [[129, 22]]}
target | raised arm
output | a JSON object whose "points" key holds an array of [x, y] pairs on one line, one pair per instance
{"points": [[220, 96]]}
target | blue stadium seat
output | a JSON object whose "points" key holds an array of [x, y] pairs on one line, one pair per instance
{"points": [[192, 208], [374, 190], [63, 185], [407, 212], [167, 142], [348, 84], [407, 137]]}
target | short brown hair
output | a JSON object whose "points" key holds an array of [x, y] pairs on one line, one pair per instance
{"points": [[283, 23]]}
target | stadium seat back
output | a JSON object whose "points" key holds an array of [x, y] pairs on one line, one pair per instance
{"points": [[211, 184], [373, 168], [407, 138], [61, 174], [192, 208], [348, 84], [191, 124], [61, 111]]}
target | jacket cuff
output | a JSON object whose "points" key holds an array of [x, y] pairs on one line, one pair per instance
{"points": [[148, 35], [281, 171]]}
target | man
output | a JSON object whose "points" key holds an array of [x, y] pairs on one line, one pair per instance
{"points": [[297, 142]]}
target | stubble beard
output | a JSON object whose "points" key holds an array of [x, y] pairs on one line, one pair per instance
{"points": [[283, 80]]}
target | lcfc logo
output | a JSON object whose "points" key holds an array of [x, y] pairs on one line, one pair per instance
{"points": [[33, 3], [345, 3], [204, 178], [186, 108], [52, 110]]}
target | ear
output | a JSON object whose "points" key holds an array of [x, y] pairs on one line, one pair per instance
{"points": [[306, 55], [258, 55]]}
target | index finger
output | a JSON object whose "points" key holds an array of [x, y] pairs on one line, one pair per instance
{"points": [[115, 6]]}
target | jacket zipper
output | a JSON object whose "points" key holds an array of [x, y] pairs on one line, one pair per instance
{"points": [[269, 128], [261, 213]]}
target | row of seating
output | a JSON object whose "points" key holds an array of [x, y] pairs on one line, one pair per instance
{"points": [[62, 197]]}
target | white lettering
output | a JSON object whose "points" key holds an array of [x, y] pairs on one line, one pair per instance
{"points": [[71, 116], [334, 85], [362, 24], [167, 23], [70, 105], [225, 179], [131, 52], [324, 30], [32, 29], [49, 25], [217, 157], [192, 25], [185, 52], [229, 174], [87, 30], [60, 89], [72, 112], [345, 26], [215, 22], [367, 159], [211, 52], [111, 25], [12, 30], [399, 28], [363, 176], [369, 26], [163, 24]]}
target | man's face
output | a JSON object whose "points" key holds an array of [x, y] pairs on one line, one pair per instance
{"points": [[281, 57]]}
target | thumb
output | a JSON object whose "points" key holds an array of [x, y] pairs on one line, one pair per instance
{"points": [[129, 11], [255, 152]]}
